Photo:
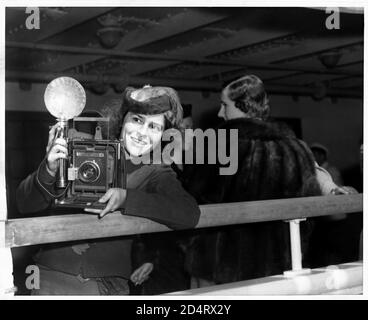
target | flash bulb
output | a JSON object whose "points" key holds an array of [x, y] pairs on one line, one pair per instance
{"points": [[65, 98]]}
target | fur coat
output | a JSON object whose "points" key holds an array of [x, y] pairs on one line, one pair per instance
{"points": [[272, 164]]}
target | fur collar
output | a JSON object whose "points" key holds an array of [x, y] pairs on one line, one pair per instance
{"points": [[258, 129]]}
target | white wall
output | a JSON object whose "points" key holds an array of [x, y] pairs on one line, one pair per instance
{"points": [[338, 126]]}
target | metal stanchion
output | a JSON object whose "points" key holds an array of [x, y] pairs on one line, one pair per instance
{"points": [[296, 250]]}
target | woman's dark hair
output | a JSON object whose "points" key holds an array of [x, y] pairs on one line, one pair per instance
{"points": [[163, 100], [157, 100], [249, 95]]}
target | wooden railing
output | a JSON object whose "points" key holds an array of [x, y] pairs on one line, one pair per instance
{"points": [[30, 231], [39, 230]]}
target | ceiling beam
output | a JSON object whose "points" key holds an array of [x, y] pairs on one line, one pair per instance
{"points": [[347, 82], [314, 46], [244, 37], [302, 79], [134, 55], [185, 21], [112, 79], [306, 79], [179, 84], [307, 47]]}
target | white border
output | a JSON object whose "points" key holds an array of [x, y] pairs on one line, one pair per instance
{"points": [[178, 3]]}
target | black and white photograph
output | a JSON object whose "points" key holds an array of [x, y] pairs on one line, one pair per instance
{"points": [[181, 151]]}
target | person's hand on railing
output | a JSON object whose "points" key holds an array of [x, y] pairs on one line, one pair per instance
{"points": [[142, 273], [344, 190], [115, 197], [338, 191]]}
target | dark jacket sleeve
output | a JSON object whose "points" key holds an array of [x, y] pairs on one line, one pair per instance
{"points": [[33, 193], [164, 201]]}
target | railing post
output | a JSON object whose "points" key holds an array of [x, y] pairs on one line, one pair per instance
{"points": [[296, 250]]}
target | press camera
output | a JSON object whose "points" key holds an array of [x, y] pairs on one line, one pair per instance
{"points": [[93, 166]]}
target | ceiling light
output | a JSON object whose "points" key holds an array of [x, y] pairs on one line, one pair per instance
{"points": [[110, 36], [330, 59], [111, 32]]}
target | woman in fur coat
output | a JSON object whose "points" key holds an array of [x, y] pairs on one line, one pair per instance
{"points": [[272, 164]]}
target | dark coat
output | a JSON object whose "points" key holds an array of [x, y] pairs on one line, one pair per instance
{"points": [[272, 164], [153, 192]]}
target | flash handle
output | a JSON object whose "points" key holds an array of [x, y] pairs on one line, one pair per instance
{"points": [[61, 180]]}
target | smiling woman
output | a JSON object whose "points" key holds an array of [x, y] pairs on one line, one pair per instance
{"points": [[152, 191], [142, 133]]}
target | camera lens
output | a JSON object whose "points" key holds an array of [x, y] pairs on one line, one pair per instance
{"points": [[89, 172]]}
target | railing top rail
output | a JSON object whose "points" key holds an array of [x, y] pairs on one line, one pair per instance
{"points": [[38, 230]]}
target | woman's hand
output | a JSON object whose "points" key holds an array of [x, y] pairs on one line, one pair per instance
{"points": [[56, 149], [337, 191], [80, 248], [344, 190], [115, 198], [142, 273]]}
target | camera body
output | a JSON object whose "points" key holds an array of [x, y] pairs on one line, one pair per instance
{"points": [[93, 167]]}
